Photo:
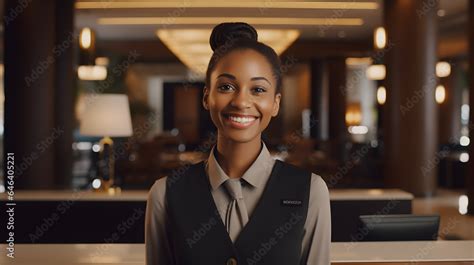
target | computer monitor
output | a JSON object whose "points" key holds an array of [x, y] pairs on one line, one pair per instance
{"points": [[399, 227]]}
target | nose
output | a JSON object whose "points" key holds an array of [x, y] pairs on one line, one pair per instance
{"points": [[241, 100]]}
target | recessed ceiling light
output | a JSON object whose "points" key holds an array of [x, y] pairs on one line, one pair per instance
{"points": [[441, 13], [196, 55], [217, 20], [225, 4]]}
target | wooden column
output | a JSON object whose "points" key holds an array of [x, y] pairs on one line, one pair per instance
{"points": [[38, 91], [450, 110], [338, 134], [64, 97], [319, 130], [470, 179], [410, 125]]}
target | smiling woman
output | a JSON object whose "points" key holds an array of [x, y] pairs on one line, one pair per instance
{"points": [[234, 207]]}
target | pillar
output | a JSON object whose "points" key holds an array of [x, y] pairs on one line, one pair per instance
{"points": [[410, 126], [38, 105], [450, 110], [64, 96], [319, 130], [337, 128], [470, 178]]}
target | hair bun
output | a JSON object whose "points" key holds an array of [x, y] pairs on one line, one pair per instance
{"points": [[232, 31]]}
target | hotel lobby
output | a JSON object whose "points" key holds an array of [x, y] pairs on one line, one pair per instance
{"points": [[102, 99]]}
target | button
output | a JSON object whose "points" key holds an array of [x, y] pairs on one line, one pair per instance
{"points": [[231, 261]]}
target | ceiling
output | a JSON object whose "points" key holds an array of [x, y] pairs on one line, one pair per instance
{"points": [[189, 14]]}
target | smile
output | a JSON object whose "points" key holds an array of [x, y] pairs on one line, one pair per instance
{"points": [[240, 121]]}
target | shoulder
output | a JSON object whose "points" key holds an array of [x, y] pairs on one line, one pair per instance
{"points": [[156, 195], [319, 190], [319, 199]]}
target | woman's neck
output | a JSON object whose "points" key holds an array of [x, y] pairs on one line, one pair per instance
{"points": [[234, 157]]}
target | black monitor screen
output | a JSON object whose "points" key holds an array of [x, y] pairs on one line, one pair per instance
{"points": [[399, 227]]}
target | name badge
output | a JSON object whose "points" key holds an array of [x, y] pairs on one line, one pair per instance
{"points": [[291, 202]]}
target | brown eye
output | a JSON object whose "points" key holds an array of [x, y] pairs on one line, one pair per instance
{"points": [[226, 88], [259, 90]]}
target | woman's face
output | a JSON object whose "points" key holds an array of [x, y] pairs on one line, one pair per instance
{"points": [[241, 98]]}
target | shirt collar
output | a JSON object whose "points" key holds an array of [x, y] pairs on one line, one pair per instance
{"points": [[255, 175]]}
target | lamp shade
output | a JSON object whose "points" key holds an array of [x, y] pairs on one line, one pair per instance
{"points": [[106, 115]]}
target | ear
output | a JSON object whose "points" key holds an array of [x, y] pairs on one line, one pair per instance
{"points": [[205, 98], [276, 104]]}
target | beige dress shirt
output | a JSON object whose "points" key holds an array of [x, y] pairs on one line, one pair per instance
{"points": [[317, 237]]}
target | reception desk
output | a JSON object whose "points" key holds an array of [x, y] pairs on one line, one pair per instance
{"points": [[94, 217], [417, 252]]}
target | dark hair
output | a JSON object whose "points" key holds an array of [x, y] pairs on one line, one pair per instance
{"points": [[232, 36]]}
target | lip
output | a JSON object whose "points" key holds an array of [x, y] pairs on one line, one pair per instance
{"points": [[239, 115], [238, 125]]}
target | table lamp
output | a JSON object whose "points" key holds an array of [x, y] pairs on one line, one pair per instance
{"points": [[106, 115]]}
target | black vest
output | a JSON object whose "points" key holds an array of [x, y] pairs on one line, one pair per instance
{"points": [[272, 236]]}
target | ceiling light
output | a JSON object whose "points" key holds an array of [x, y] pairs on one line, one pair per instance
{"points": [[380, 38], [376, 72], [443, 69], [440, 94], [464, 140], [217, 20], [225, 4], [92, 72], [196, 54], [381, 95], [358, 129]]}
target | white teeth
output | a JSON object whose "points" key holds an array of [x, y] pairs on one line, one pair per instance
{"points": [[242, 119]]}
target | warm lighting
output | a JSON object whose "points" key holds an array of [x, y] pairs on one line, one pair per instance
{"points": [[192, 46], [358, 129], [82, 146], [85, 38], [464, 157], [380, 38], [353, 114], [96, 148], [440, 94], [376, 192], [92, 72], [381, 95], [96, 183], [464, 141], [284, 21], [226, 4], [463, 203], [376, 72], [465, 113], [106, 115], [443, 69], [358, 61], [102, 61]]}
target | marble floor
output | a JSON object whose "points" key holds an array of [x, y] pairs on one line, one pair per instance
{"points": [[454, 225]]}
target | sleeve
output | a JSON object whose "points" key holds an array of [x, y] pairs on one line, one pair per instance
{"points": [[317, 239], [156, 240]]}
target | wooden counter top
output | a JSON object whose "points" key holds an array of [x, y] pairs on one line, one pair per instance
{"points": [[344, 252], [141, 195]]}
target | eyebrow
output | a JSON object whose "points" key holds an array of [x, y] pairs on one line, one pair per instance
{"points": [[252, 79]]}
